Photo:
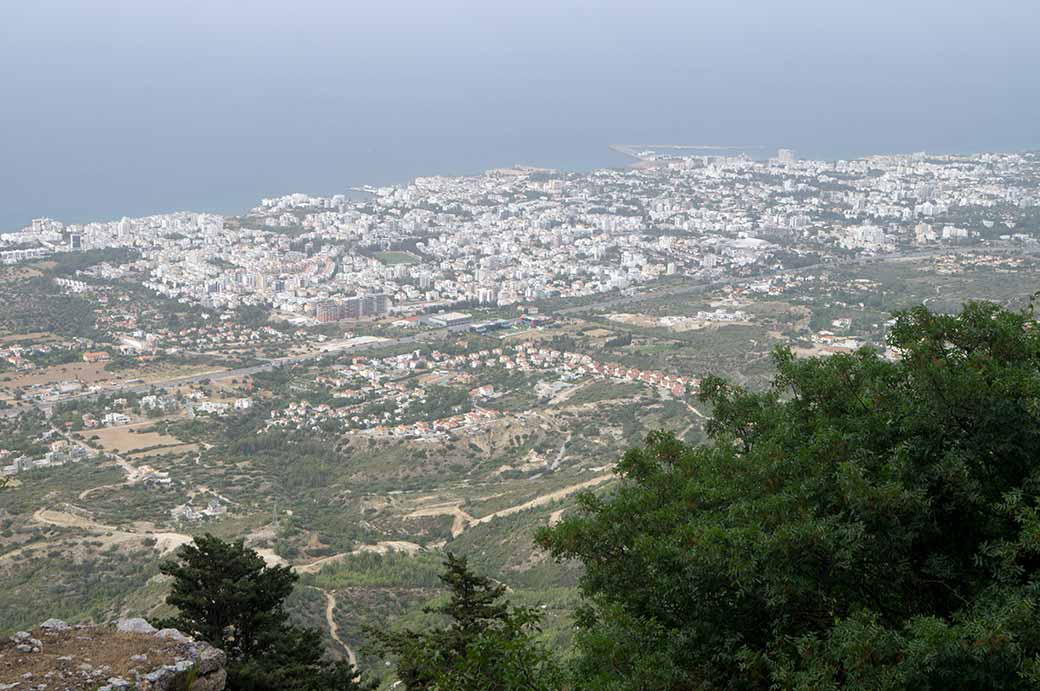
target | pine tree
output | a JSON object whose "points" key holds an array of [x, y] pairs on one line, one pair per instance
{"points": [[485, 644], [227, 596]]}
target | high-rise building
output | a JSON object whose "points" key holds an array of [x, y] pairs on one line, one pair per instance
{"points": [[375, 305], [357, 307], [329, 311], [785, 156]]}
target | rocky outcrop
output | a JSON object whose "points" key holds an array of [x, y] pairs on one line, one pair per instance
{"points": [[131, 654]]}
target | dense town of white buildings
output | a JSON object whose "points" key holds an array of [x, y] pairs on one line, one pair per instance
{"points": [[523, 234]]}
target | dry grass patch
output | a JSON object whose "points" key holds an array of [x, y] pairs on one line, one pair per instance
{"points": [[86, 372], [129, 438]]}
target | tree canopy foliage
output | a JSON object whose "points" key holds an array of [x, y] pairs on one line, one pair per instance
{"points": [[485, 644], [866, 523], [226, 595]]}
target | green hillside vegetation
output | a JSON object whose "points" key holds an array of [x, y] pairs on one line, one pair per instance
{"points": [[863, 523]]}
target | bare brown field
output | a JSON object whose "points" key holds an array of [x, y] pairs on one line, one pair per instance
{"points": [[94, 373], [35, 336], [159, 373], [545, 334], [125, 438], [88, 372]]}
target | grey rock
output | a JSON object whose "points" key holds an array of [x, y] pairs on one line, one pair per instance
{"points": [[172, 634], [54, 625], [139, 658], [24, 648], [21, 636], [210, 682], [157, 675], [210, 659], [135, 625]]}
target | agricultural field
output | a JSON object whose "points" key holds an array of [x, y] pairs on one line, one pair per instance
{"points": [[131, 438]]}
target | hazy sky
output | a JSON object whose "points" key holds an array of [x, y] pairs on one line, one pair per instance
{"points": [[129, 107]]}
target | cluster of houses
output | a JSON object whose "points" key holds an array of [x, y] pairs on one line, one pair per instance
{"points": [[380, 402], [109, 419], [394, 395], [532, 357], [464, 422], [224, 335], [186, 513], [830, 342], [165, 404], [60, 452], [123, 316], [21, 356]]}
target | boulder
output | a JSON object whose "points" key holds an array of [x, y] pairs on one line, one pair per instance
{"points": [[134, 625], [54, 626], [173, 635]]}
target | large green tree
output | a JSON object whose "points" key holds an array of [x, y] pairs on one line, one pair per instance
{"points": [[865, 523], [226, 595], [483, 644]]}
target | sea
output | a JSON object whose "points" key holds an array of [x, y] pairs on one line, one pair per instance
{"points": [[172, 174]]}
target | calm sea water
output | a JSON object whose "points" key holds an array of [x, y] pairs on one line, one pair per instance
{"points": [[224, 178], [232, 176]]}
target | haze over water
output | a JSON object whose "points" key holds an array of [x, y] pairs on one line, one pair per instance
{"points": [[129, 107]]}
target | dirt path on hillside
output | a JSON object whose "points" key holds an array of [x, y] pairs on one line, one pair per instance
{"points": [[330, 620], [564, 395], [545, 498], [696, 412], [164, 541], [463, 520], [378, 548], [682, 435], [87, 492], [604, 403], [563, 450], [133, 473]]}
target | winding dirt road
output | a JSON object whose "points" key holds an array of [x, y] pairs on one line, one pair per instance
{"points": [[164, 541], [463, 520], [378, 548], [330, 621]]}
